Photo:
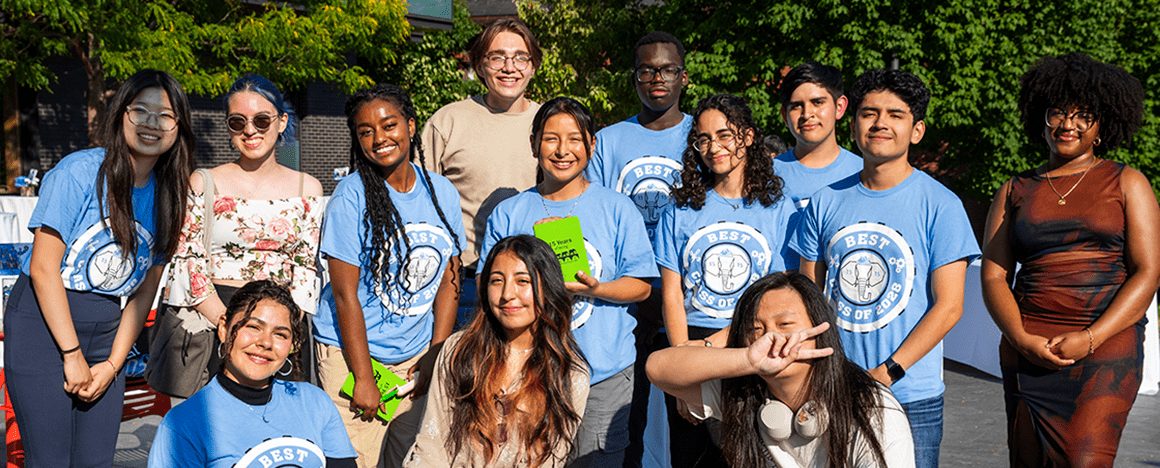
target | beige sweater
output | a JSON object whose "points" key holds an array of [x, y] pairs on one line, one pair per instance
{"points": [[430, 450], [486, 156]]}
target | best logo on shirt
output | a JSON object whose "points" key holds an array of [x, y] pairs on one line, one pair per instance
{"points": [[871, 275]]}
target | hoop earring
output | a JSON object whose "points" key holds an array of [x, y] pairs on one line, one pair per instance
{"points": [[289, 371], [221, 355], [1098, 141]]}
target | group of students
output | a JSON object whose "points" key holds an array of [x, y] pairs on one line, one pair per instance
{"points": [[688, 223]]}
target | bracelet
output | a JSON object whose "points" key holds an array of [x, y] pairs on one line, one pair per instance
{"points": [[1091, 342], [115, 371], [70, 351]]}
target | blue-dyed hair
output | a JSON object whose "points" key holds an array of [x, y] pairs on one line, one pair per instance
{"points": [[267, 89]]}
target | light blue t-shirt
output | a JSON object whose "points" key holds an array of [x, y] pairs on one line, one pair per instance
{"points": [[92, 260], [880, 248], [720, 250], [617, 246], [640, 163], [399, 322], [800, 182], [300, 426]]}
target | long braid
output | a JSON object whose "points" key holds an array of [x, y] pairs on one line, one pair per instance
{"points": [[417, 151]]}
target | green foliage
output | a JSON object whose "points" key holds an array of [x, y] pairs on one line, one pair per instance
{"points": [[205, 45], [971, 54], [432, 71]]}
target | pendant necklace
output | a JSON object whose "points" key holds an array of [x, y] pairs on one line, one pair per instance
{"points": [[545, 204], [262, 414], [1062, 198]]}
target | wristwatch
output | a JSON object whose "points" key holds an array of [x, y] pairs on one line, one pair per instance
{"points": [[894, 370]]}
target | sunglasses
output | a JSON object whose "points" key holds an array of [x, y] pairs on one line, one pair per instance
{"points": [[237, 123]]}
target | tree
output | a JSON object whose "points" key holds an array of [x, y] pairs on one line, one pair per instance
{"points": [[971, 54], [205, 45]]}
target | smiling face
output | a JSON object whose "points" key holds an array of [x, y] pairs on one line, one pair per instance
{"points": [[384, 135], [722, 146], [148, 140], [812, 113], [1066, 141], [884, 128], [782, 311], [511, 295], [658, 94], [507, 84], [252, 142], [260, 346], [562, 151]]}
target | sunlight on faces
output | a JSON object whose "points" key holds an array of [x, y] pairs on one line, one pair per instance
{"points": [[721, 145], [511, 295], [782, 311], [384, 135], [1066, 141], [251, 142], [812, 113], [883, 126], [147, 140], [509, 82], [561, 151], [260, 346]]}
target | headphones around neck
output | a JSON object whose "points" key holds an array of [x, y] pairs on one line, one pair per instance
{"points": [[777, 421]]}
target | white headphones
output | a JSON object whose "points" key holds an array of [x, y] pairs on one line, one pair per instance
{"points": [[778, 422]]}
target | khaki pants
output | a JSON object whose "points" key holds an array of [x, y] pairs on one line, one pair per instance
{"points": [[378, 443]]}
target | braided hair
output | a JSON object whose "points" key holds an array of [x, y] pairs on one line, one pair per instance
{"points": [[381, 218]]}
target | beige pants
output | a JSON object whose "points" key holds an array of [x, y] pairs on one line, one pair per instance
{"points": [[378, 443]]}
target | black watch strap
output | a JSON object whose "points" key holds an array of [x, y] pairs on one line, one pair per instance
{"points": [[895, 370]]}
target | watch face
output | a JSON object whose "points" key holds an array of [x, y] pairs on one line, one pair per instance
{"points": [[896, 372]]}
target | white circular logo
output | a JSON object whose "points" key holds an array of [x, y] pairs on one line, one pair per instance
{"points": [[647, 181], [283, 452], [871, 275], [583, 306], [95, 261], [431, 247], [721, 260]]}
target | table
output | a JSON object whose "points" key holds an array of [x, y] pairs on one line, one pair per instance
{"points": [[974, 341], [22, 207]]}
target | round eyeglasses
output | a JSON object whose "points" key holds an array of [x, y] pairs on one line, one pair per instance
{"points": [[647, 74], [724, 140], [237, 123], [1082, 120], [497, 62], [163, 121]]}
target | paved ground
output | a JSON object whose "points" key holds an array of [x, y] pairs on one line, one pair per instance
{"points": [[975, 429]]}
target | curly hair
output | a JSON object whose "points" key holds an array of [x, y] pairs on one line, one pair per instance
{"points": [[381, 218], [761, 184], [905, 85], [850, 398], [1108, 91], [246, 299], [476, 366], [826, 76]]}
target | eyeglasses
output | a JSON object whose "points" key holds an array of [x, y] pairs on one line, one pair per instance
{"points": [[725, 140], [237, 123], [1081, 119], [163, 121], [647, 74], [497, 62]]}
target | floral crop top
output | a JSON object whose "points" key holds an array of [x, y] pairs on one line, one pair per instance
{"points": [[251, 240]]}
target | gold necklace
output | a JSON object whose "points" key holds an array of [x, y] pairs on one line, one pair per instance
{"points": [[1062, 198]]}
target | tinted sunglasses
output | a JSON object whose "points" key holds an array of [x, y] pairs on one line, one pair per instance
{"points": [[237, 123]]}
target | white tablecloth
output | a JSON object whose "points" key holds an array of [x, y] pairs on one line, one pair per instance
{"points": [[22, 207], [975, 340]]}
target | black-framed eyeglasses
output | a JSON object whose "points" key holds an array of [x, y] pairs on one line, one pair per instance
{"points": [[725, 140], [1083, 120], [498, 61], [646, 74], [237, 123], [163, 121]]}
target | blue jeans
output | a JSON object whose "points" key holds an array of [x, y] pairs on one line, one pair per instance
{"points": [[926, 426]]}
